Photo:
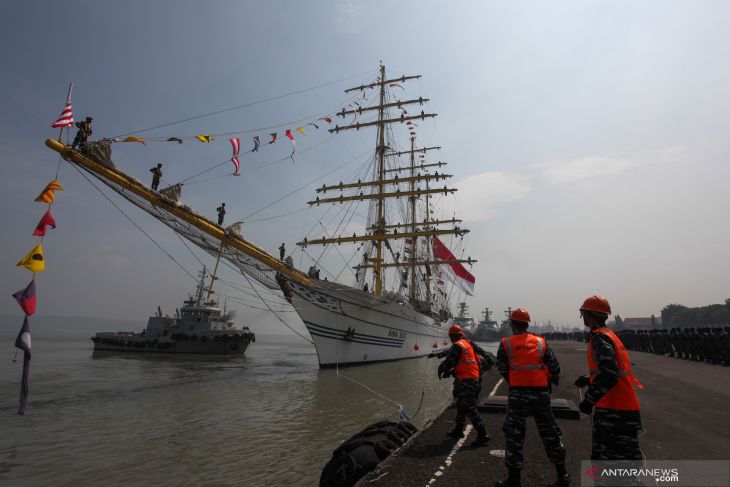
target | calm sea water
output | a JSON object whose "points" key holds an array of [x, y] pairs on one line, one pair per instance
{"points": [[269, 418]]}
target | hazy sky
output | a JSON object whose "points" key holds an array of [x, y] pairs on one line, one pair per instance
{"points": [[589, 139]]}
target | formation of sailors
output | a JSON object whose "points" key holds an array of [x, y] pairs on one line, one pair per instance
{"points": [[708, 344]]}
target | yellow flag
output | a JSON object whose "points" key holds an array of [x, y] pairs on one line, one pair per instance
{"points": [[132, 138], [48, 194], [204, 138], [300, 129], [34, 260]]}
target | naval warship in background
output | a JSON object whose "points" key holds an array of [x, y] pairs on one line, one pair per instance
{"points": [[486, 330], [199, 327]]}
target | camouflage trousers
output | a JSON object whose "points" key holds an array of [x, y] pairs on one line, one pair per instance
{"points": [[520, 405], [466, 393], [615, 435]]}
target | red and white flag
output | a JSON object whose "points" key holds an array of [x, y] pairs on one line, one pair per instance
{"points": [[66, 119], [453, 271], [236, 165], [236, 144]]}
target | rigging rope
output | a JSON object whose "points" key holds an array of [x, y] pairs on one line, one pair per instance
{"points": [[401, 412], [218, 112], [133, 223]]}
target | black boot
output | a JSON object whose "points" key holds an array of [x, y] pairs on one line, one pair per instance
{"points": [[457, 432], [563, 476], [513, 480], [481, 439]]}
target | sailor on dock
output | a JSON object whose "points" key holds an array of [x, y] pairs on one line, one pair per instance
{"points": [[156, 176], [529, 366], [83, 133], [616, 420], [463, 363], [221, 213]]}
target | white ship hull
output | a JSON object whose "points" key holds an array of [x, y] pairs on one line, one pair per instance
{"points": [[349, 326]]}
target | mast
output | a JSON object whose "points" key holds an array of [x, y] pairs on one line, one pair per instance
{"points": [[487, 314], [386, 184], [381, 176], [215, 271], [414, 248]]}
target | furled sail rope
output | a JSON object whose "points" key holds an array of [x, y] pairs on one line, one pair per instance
{"points": [[401, 412], [218, 112]]}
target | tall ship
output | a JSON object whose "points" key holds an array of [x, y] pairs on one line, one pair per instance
{"points": [[397, 305], [199, 327]]}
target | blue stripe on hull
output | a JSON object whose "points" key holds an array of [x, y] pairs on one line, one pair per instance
{"points": [[326, 332]]}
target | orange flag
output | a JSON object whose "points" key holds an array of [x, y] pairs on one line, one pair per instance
{"points": [[49, 193]]}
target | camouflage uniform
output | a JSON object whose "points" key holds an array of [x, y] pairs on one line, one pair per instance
{"points": [[83, 133], [466, 392], [530, 401], [615, 432]]}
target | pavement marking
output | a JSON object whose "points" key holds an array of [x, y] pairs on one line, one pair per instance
{"points": [[496, 386], [447, 463]]}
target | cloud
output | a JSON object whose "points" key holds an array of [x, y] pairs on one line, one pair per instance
{"points": [[348, 18], [479, 195], [570, 170]]}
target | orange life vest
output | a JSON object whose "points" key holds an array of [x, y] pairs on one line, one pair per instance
{"points": [[622, 395], [525, 353], [468, 365]]}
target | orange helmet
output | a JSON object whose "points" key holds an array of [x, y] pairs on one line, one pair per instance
{"points": [[596, 303], [520, 314], [455, 330]]}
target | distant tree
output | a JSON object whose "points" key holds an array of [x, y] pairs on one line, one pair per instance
{"points": [[653, 321], [669, 312]]}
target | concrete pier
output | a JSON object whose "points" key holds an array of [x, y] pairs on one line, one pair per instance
{"points": [[685, 409]]}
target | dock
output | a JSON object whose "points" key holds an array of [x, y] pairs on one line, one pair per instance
{"points": [[684, 410]]}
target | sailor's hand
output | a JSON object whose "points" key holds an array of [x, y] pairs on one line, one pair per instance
{"points": [[585, 407], [582, 381], [431, 355]]}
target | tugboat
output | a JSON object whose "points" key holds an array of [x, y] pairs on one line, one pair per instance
{"points": [[199, 327]]}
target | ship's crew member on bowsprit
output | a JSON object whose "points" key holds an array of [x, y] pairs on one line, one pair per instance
{"points": [[221, 213], [83, 133], [463, 363], [616, 417], [529, 366], [156, 176], [282, 251]]}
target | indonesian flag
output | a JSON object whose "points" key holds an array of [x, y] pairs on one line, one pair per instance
{"points": [[454, 271], [66, 119]]}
